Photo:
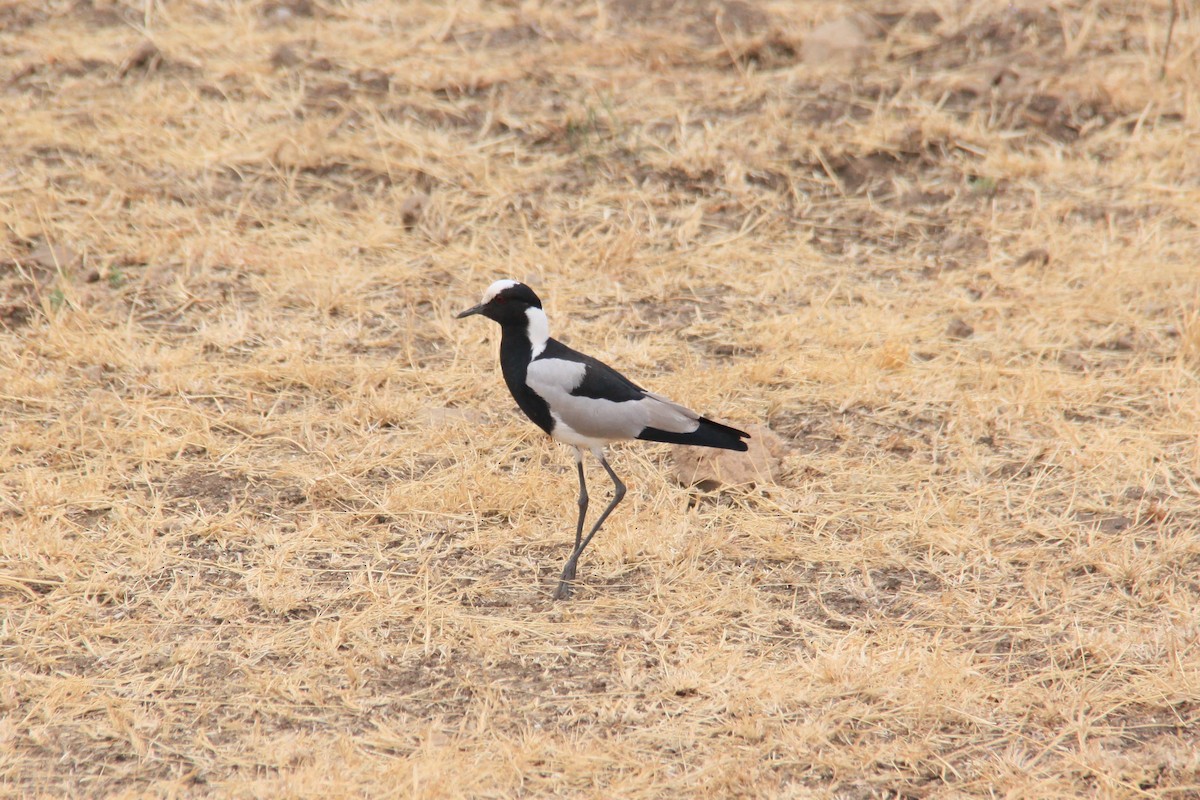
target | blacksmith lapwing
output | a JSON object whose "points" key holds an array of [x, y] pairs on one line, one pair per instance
{"points": [[582, 402]]}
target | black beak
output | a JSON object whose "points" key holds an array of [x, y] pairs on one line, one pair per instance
{"points": [[476, 310]]}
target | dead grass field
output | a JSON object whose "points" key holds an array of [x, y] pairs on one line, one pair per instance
{"points": [[271, 526]]}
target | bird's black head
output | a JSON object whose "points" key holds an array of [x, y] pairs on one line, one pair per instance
{"points": [[506, 302]]}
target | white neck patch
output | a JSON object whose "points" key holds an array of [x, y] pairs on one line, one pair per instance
{"points": [[539, 330], [498, 287]]}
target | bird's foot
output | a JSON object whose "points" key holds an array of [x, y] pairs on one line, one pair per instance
{"points": [[566, 581]]}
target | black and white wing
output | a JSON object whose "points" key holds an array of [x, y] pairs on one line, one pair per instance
{"points": [[588, 398]]}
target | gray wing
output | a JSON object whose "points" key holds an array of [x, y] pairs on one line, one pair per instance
{"points": [[571, 387]]}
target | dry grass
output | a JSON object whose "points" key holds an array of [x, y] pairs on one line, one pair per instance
{"points": [[271, 526]]}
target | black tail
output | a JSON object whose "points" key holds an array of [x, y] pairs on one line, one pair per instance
{"points": [[709, 434]]}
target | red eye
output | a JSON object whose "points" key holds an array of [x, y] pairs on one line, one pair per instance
{"points": [[499, 299]]}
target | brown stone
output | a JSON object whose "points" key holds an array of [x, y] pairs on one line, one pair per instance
{"points": [[709, 469]]}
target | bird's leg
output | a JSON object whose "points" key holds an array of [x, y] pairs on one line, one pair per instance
{"points": [[568, 574], [583, 501]]}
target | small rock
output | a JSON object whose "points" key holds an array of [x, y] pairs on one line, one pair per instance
{"points": [[284, 57], [709, 469], [959, 329], [843, 40], [51, 258], [286, 10]]}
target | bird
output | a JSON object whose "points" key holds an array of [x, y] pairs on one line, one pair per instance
{"points": [[583, 402]]}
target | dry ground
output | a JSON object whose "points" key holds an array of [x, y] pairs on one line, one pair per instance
{"points": [[272, 527]]}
